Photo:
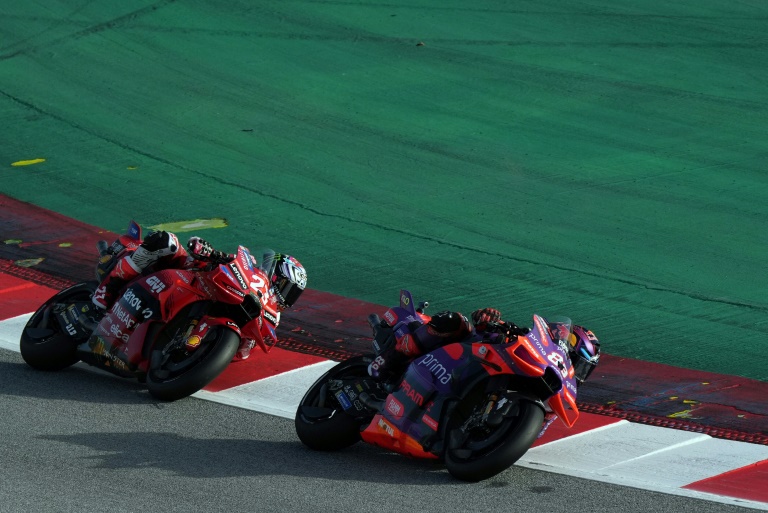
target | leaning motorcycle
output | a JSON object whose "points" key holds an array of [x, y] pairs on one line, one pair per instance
{"points": [[476, 405], [175, 329]]}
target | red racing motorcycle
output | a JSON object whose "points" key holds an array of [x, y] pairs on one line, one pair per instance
{"points": [[477, 405], [175, 329]]}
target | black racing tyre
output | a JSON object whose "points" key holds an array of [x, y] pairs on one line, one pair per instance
{"points": [[321, 422], [481, 451], [175, 373], [44, 344]]}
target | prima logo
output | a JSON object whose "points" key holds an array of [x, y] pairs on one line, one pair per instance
{"points": [[436, 368]]}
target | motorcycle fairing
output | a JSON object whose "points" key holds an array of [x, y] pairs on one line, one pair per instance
{"points": [[557, 370], [411, 413], [119, 339], [382, 432]]}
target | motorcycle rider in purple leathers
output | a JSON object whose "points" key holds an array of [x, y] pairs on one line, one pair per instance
{"points": [[447, 327]]}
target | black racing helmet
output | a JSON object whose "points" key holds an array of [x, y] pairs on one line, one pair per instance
{"points": [[289, 279]]}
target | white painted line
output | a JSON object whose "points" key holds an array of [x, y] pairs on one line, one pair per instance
{"points": [[10, 331], [277, 395], [647, 457]]}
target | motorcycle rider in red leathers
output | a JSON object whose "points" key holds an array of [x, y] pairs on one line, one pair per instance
{"points": [[447, 327], [162, 249]]}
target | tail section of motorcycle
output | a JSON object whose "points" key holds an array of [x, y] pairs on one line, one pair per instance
{"points": [[49, 339]]}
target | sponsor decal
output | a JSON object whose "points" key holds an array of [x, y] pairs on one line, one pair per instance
{"points": [[271, 318], [183, 277], [343, 400], [394, 407], [390, 317], [412, 394], [115, 330], [429, 421], [436, 368], [193, 341], [247, 260], [132, 300], [123, 316], [238, 275], [135, 304], [406, 345], [536, 341], [155, 284], [386, 427], [119, 271], [100, 348], [235, 291]]}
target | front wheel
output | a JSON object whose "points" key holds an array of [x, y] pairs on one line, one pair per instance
{"points": [[321, 422], [50, 338], [175, 373], [480, 446]]}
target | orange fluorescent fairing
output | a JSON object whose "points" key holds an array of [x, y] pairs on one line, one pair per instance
{"points": [[556, 403], [382, 433]]}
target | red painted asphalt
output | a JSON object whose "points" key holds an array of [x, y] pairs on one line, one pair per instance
{"points": [[747, 483]]}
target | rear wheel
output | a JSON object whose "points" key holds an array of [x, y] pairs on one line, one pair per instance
{"points": [[50, 338], [321, 422], [175, 373], [480, 446]]}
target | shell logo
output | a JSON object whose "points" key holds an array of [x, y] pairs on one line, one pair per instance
{"points": [[193, 341]]}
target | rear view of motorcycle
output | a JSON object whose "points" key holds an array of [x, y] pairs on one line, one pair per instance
{"points": [[175, 329], [477, 405]]}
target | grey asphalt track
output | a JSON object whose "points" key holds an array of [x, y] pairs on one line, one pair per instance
{"points": [[82, 441]]}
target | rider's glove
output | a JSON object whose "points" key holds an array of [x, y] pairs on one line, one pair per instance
{"points": [[161, 243], [199, 248], [485, 315]]}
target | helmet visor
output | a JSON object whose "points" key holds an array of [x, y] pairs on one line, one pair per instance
{"points": [[287, 292], [583, 365]]}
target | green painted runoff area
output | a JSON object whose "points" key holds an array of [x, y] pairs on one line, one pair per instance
{"points": [[600, 159]]}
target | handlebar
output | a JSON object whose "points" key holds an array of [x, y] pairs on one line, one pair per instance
{"points": [[102, 247], [374, 320], [221, 257]]}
